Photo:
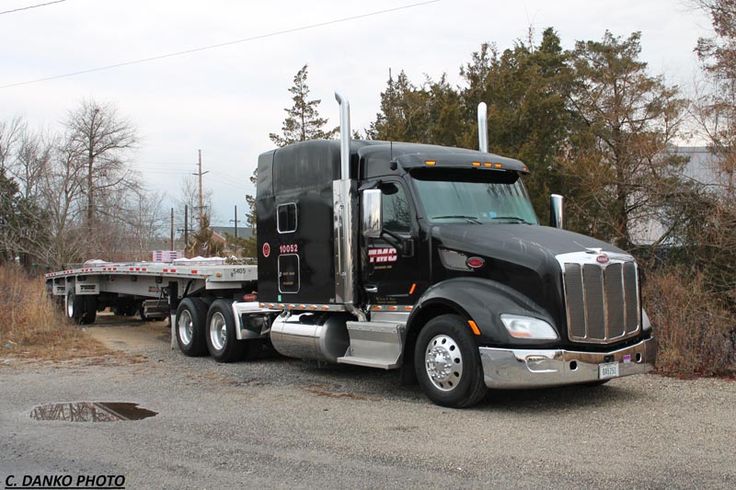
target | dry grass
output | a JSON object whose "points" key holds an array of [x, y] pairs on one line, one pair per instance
{"points": [[695, 333], [33, 326]]}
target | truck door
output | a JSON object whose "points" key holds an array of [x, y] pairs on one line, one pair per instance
{"points": [[391, 267]]}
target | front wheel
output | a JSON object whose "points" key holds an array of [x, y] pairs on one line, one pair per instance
{"points": [[447, 363], [221, 338]]}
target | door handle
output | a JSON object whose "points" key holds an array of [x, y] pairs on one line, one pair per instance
{"points": [[371, 289]]}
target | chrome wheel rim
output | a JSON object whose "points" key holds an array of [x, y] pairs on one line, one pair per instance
{"points": [[218, 331], [443, 362], [186, 327], [70, 306]]}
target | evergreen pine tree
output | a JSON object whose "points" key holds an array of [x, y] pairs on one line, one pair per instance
{"points": [[303, 121]]}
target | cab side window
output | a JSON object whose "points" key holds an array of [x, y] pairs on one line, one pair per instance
{"points": [[286, 217], [396, 209]]}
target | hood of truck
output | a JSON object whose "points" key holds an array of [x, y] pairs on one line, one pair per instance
{"points": [[526, 245], [518, 256]]}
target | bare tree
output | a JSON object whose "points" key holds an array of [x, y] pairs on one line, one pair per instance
{"points": [[10, 132], [145, 220], [31, 161], [102, 140], [189, 196]]}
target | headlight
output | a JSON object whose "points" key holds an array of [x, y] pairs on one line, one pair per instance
{"points": [[645, 324], [526, 327]]}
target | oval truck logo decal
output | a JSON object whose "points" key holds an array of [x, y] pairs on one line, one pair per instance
{"points": [[266, 249]]}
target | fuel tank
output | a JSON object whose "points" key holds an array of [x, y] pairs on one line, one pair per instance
{"points": [[317, 336]]}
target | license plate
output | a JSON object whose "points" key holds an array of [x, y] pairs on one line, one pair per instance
{"points": [[608, 370]]}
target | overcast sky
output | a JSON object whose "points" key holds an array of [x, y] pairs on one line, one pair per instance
{"points": [[226, 100]]}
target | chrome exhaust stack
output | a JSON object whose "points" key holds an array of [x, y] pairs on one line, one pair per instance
{"points": [[344, 198], [483, 127], [344, 136], [556, 211]]}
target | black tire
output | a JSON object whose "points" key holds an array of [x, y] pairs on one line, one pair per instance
{"points": [[90, 310], [459, 381], [191, 317], [142, 314], [80, 309], [222, 342], [125, 309], [73, 305]]}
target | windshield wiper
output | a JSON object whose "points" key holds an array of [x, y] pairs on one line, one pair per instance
{"points": [[470, 219], [513, 218]]}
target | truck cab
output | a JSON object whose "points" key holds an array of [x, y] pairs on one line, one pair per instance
{"points": [[431, 260]]}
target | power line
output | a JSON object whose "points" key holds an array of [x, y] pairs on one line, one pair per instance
{"points": [[29, 7], [220, 45]]}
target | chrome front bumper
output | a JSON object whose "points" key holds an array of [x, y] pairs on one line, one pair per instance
{"points": [[530, 368]]}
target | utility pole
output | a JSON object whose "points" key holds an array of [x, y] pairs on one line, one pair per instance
{"points": [[186, 227], [185, 230], [201, 195], [172, 229], [236, 221]]}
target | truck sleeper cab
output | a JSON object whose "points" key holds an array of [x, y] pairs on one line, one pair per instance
{"points": [[431, 259]]}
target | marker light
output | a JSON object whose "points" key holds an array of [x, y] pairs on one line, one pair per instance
{"points": [[430, 163], [526, 327]]}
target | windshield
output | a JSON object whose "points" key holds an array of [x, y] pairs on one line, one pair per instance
{"points": [[474, 197]]}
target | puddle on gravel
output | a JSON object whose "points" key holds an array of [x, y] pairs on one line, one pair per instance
{"points": [[91, 412]]}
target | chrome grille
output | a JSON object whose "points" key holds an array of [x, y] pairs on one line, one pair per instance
{"points": [[601, 301]]}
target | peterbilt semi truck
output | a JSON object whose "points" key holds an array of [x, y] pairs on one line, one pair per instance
{"points": [[425, 259]]}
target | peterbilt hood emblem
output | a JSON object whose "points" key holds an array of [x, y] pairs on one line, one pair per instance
{"points": [[602, 257]]}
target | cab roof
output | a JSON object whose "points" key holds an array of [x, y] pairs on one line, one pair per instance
{"points": [[412, 155]]}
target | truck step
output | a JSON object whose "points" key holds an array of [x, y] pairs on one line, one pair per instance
{"points": [[374, 344]]}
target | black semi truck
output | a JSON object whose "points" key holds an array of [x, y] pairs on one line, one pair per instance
{"points": [[421, 258]]}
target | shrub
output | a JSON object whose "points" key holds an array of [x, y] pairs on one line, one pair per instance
{"points": [[33, 325], [695, 333]]}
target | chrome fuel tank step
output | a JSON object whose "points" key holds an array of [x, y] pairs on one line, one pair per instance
{"points": [[374, 344]]}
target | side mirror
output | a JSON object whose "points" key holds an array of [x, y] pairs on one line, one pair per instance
{"points": [[556, 211], [372, 217]]}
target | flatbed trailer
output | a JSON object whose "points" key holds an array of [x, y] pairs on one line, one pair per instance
{"points": [[126, 287], [421, 258]]}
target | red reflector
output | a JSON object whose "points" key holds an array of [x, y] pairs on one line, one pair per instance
{"points": [[249, 297], [475, 262]]}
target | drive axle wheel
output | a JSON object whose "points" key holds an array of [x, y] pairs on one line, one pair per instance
{"points": [[190, 327], [447, 363], [222, 341]]}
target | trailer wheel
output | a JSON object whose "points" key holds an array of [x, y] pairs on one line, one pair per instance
{"points": [[80, 309], [74, 306], [90, 310], [222, 341], [447, 363], [190, 327]]}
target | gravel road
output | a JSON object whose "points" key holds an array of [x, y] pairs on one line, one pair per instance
{"points": [[283, 423]]}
